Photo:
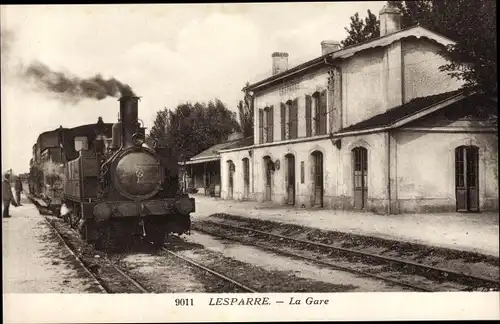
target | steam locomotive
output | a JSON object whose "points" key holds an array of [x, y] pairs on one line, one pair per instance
{"points": [[110, 182]]}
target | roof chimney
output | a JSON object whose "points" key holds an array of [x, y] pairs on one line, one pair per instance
{"points": [[390, 20], [280, 62], [329, 46]]}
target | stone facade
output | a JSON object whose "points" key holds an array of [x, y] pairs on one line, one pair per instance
{"points": [[408, 168]]}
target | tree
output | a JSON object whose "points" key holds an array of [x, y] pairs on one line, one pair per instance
{"points": [[159, 129], [413, 12], [245, 113], [472, 24], [192, 128], [361, 31]]}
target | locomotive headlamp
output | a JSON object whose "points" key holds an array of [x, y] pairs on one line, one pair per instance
{"points": [[138, 139], [184, 206]]}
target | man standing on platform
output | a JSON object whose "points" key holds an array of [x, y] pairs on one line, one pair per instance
{"points": [[6, 195], [18, 186]]}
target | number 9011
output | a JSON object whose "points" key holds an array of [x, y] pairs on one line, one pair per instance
{"points": [[184, 302]]}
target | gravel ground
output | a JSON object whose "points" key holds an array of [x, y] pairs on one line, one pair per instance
{"points": [[260, 279], [161, 272], [35, 260], [466, 262]]}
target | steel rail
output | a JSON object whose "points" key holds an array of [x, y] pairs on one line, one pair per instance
{"points": [[320, 262], [213, 272], [447, 273], [78, 259]]}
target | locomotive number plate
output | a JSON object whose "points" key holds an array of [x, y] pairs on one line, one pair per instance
{"points": [[146, 173]]}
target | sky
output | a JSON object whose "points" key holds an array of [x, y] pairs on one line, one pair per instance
{"points": [[167, 53]]}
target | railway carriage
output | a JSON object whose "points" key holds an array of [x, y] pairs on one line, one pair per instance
{"points": [[45, 180]]}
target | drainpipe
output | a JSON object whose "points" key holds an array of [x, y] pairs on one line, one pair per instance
{"points": [[389, 172], [253, 170]]}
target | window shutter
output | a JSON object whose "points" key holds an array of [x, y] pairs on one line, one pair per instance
{"points": [[270, 124], [308, 116], [294, 118], [283, 122], [322, 113], [261, 126]]}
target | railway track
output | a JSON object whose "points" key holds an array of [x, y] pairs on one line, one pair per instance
{"points": [[138, 287], [79, 261], [434, 274], [212, 272], [105, 288]]}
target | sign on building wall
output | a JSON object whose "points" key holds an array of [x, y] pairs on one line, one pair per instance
{"points": [[289, 88]]}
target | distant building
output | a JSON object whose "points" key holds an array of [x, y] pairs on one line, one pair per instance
{"points": [[374, 127], [201, 173]]}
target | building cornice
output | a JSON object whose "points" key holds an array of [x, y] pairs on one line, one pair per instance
{"points": [[462, 129], [292, 141]]}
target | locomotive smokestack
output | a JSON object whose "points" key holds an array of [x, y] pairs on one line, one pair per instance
{"points": [[129, 114]]}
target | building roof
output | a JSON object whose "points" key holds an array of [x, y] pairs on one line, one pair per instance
{"points": [[393, 115], [414, 31], [212, 153]]}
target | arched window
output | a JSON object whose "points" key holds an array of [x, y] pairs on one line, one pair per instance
{"points": [[360, 175]]}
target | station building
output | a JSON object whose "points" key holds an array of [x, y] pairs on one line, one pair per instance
{"points": [[375, 127]]}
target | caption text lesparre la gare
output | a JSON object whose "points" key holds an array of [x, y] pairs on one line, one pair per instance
{"points": [[265, 301]]}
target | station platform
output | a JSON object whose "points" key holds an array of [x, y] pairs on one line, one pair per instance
{"points": [[34, 258], [472, 232]]}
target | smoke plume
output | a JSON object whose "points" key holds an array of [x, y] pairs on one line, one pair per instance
{"points": [[70, 87], [57, 82]]}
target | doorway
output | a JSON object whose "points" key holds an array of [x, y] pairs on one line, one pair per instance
{"points": [[290, 179], [318, 178], [360, 155], [466, 178], [231, 179], [246, 178], [268, 168]]}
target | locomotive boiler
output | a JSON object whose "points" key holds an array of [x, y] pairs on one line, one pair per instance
{"points": [[120, 187]]}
